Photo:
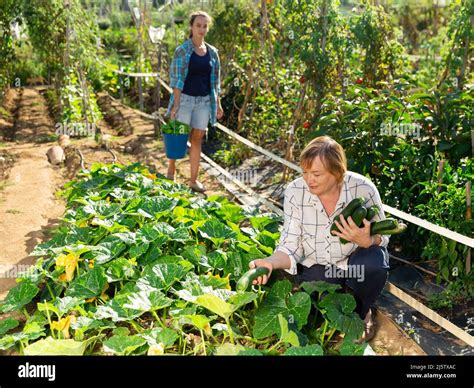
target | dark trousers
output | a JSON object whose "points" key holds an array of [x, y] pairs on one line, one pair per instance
{"points": [[366, 275]]}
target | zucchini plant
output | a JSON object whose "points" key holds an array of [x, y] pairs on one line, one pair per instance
{"points": [[141, 265]]}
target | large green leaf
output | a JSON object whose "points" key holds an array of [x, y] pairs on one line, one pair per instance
{"points": [[287, 336], [102, 209], [116, 311], [319, 286], [156, 206], [56, 347], [147, 301], [266, 317], [65, 304], [160, 276], [216, 231], [296, 309], [20, 295], [350, 348], [217, 259], [309, 350], [299, 306], [88, 284], [165, 336], [7, 324], [216, 305], [160, 233], [84, 324], [242, 298], [123, 345], [107, 250], [339, 310], [231, 212], [120, 269]]}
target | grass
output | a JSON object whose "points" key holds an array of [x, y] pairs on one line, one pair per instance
{"points": [[13, 211], [4, 113], [47, 138]]}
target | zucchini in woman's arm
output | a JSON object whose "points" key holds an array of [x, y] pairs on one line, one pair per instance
{"points": [[387, 226], [372, 212], [348, 210], [357, 216], [248, 277]]}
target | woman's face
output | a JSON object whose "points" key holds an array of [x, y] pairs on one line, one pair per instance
{"points": [[319, 180], [200, 26]]}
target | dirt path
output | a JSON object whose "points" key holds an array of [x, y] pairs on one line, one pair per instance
{"points": [[28, 207], [390, 340]]}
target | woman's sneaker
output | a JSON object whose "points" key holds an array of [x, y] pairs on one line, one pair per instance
{"points": [[198, 186]]}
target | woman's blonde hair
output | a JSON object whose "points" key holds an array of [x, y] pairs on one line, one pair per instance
{"points": [[330, 152], [193, 17]]}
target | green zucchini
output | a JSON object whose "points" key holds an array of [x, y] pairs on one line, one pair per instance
{"points": [[248, 277], [348, 210], [357, 216], [372, 212], [387, 226]]}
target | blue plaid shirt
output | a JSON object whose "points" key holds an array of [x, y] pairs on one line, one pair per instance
{"points": [[179, 71]]}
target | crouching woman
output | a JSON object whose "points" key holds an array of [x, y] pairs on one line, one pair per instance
{"points": [[310, 251]]}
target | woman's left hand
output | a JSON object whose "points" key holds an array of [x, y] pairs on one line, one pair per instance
{"points": [[351, 232], [220, 112]]}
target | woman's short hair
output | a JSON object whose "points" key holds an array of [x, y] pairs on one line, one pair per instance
{"points": [[330, 152], [193, 17]]}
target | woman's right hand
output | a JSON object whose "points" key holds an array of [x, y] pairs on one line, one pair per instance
{"points": [[262, 263], [174, 112]]}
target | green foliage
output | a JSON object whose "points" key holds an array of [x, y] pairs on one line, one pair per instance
{"points": [[446, 205], [141, 252], [459, 292]]}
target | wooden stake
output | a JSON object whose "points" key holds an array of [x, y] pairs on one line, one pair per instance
{"points": [[468, 217], [440, 174]]}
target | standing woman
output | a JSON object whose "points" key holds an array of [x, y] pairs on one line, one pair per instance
{"points": [[195, 80]]}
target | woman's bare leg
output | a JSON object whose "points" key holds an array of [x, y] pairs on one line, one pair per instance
{"points": [[171, 168], [195, 153]]}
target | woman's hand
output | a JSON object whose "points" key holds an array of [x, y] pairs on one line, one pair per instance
{"points": [[220, 112], [351, 232], [262, 263], [174, 112]]}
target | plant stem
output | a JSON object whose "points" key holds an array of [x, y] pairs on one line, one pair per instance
{"points": [[229, 329], [274, 346], [331, 333], [50, 291], [158, 319], [324, 332], [244, 321], [49, 318], [203, 342], [26, 313], [136, 326], [251, 339]]}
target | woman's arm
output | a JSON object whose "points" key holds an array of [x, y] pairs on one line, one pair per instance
{"points": [[176, 100], [177, 73], [289, 250]]}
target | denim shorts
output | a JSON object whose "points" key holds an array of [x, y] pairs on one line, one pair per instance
{"points": [[194, 111]]}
